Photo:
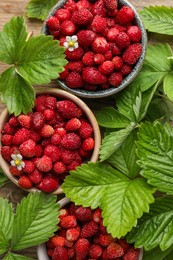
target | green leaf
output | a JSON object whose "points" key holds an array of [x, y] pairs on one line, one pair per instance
{"points": [[16, 92], [113, 141], [156, 227], [12, 40], [169, 257], [41, 60], [111, 118], [158, 254], [168, 85], [155, 152], [35, 221], [125, 159], [158, 19], [6, 223], [11, 256], [122, 200], [3, 178], [39, 9]]}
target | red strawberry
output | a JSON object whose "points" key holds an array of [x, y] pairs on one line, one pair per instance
{"points": [[123, 243], [97, 215], [114, 250], [15, 172], [126, 69], [99, 58], [108, 55], [86, 37], [85, 130], [48, 114], [88, 58], [82, 17], [27, 148], [125, 15], [112, 34], [83, 214], [6, 152], [63, 213], [95, 251], [68, 222], [75, 66], [60, 131], [21, 136], [47, 131], [89, 229], [92, 76], [115, 49], [44, 164], [53, 152], [68, 28], [118, 63], [132, 53], [73, 124], [110, 22], [48, 184], [37, 120], [112, 13], [13, 122], [122, 40], [63, 75], [8, 128], [24, 121], [53, 23], [55, 139], [71, 141], [35, 176], [84, 154], [59, 167], [68, 109], [57, 241], [75, 55], [74, 80], [106, 67], [25, 182], [7, 140], [99, 8], [62, 14], [134, 33], [60, 253], [71, 252], [100, 45], [83, 4], [50, 252], [34, 135], [102, 227], [111, 4], [82, 248], [68, 156], [115, 79], [29, 166], [70, 5], [105, 239], [72, 234], [72, 166], [99, 24], [88, 144], [132, 254]]}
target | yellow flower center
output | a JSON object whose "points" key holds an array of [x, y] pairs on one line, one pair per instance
{"points": [[17, 162], [71, 44]]}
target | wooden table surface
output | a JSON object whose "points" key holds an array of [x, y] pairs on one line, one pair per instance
{"points": [[10, 8]]}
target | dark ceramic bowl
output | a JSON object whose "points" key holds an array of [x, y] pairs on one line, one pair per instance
{"points": [[127, 80]]}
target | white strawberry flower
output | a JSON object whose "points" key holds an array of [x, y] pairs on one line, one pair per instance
{"points": [[71, 43], [17, 161]]}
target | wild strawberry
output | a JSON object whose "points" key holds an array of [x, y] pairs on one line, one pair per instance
{"points": [[27, 148], [132, 53], [99, 24], [72, 234], [71, 141], [48, 184], [122, 40], [55, 139], [67, 156], [93, 76], [35, 176], [47, 131], [21, 136], [89, 229], [82, 248], [126, 69], [132, 254], [48, 114], [102, 227], [134, 33], [70, 5], [106, 67], [111, 4], [63, 75], [86, 37], [108, 55], [7, 140], [83, 4], [15, 172], [100, 45], [59, 167], [63, 213], [97, 215], [125, 15], [82, 17], [37, 120], [62, 14], [99, 8], [13, 122], [53, 152], [24, 120], [50, 102], [88, 58], [75, 55], [25, 182], [40, 100], [72, 166], [74, 80], [115, 79], [45, 142], [110, 22], [60, 253], [83, 214], [68, 109], [55, 33], [88, 144], [95, 251], [67, 28], [84, 154], [105, 239], [123, 243], [6, 152], [75, 66], [112, 13], [68, 222], [50, 252], [34, 135], [90, 87], [73, 124], [115, 49], [57, 241], [44, 164], [85, 130], [118, 63], [104, 254], [60, 131], [53, 23], [8, 129], [112, 34], [99, 58], [71, 252], [114, 250], [29, 166]]}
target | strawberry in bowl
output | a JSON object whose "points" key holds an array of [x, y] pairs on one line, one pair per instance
{"points": [[105, 45], [40, 148]]}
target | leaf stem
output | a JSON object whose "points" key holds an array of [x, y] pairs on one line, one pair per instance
{"points": [[29, 36]]}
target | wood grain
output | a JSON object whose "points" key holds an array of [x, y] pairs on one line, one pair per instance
{"points": [[12, 8]]}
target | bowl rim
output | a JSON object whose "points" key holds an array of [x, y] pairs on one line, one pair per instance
{"points": [[41, 249], [127, 80], [62, 94]]}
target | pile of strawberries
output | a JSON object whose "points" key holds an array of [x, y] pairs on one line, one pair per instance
{"points": [[49, 142], [81, 235], [109, 42]]}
